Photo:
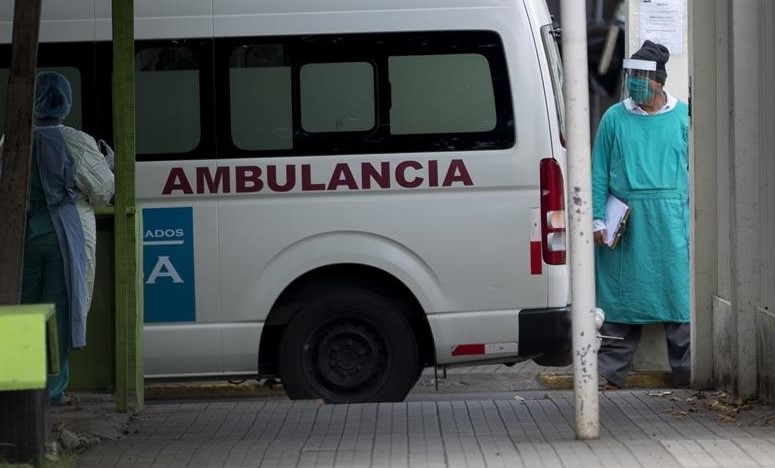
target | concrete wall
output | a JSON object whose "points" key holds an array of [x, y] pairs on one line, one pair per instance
{"points": [[765, 317], [733, 136], [744, 184], [726, 72], [704, 263]]}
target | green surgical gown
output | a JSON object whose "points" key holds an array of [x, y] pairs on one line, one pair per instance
{"points": [[644, 160]]}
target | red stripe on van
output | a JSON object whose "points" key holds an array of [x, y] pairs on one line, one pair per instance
{"points": [[535, 258], [468, 349]]}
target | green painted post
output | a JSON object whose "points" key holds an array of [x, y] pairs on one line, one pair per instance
{"points": [[128, 319]]}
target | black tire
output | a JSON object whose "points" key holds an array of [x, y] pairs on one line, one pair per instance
{"points": [[349, 346], [555, 359]]}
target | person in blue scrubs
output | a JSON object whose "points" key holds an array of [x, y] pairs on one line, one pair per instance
{"points": [[68, 178], [640, 155]]}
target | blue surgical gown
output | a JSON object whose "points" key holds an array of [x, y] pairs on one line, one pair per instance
{"points": [[644, 160], [74, 178]]}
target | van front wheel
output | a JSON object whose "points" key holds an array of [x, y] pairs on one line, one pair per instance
{"points": [[349, 346]]}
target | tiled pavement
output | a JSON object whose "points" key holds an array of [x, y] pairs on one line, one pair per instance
{"points": [[532, 428]]}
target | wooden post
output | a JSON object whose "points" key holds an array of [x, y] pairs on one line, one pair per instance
{"points": [[26, 409], [14, 182], [129, 372]]}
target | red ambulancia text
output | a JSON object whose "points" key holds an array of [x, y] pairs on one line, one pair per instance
{"points": [[302, 177]]}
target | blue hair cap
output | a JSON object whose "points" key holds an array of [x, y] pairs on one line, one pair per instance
{"points": [[53, 96]]}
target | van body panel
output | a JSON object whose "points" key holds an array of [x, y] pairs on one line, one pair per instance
{"points": [[453, 226]]}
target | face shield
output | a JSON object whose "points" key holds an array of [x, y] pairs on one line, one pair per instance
{"points": [[639, 79]]}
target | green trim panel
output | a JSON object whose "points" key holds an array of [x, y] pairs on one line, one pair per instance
{"points": [[24, 347]]}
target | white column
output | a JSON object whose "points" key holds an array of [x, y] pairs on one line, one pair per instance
{"points": [[703, 155], [574, 46], [744, 173]]}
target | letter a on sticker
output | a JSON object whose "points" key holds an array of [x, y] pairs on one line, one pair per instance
{"points": [[164, 269]]}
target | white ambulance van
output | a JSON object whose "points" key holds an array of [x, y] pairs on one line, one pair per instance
{"points": [[335, 193]]}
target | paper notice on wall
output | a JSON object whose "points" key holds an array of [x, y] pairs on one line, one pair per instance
{"points": [[662, 21]]}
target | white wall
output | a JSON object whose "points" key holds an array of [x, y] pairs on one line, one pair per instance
{"points": [[653, 16]]}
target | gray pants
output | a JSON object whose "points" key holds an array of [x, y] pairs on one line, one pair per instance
{"points": [[615, 356]]}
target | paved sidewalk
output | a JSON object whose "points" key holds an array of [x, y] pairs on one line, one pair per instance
{"points": [[534, 428]]}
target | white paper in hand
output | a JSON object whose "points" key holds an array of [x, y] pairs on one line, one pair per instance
{"points": [[616, 212], [107, 151]]}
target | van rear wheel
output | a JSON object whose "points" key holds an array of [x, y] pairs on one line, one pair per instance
{"points": [[349, 346]]}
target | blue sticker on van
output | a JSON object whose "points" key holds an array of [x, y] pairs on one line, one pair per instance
{"points": [[168, 265]]}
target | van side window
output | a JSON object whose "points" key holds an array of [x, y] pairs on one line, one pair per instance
{"points": [[167, 100], [449, 93], [337, 97], [260, 100], [354, 93]]}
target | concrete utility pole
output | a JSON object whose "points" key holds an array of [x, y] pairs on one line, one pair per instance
{"points": [[574, 52], [14, 182]]}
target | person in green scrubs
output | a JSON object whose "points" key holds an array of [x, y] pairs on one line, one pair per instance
{"points": [[68, 178], [640, 155]]}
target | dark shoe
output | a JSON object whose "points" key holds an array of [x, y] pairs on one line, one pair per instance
{"points": [[681, 379], [604, 384], [61, 400], [683, 384]]}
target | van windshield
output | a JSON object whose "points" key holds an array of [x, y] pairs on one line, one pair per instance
{"points": [[550, 35]]}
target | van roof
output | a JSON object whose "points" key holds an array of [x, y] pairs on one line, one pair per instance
{"points": [[74, 20]]}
